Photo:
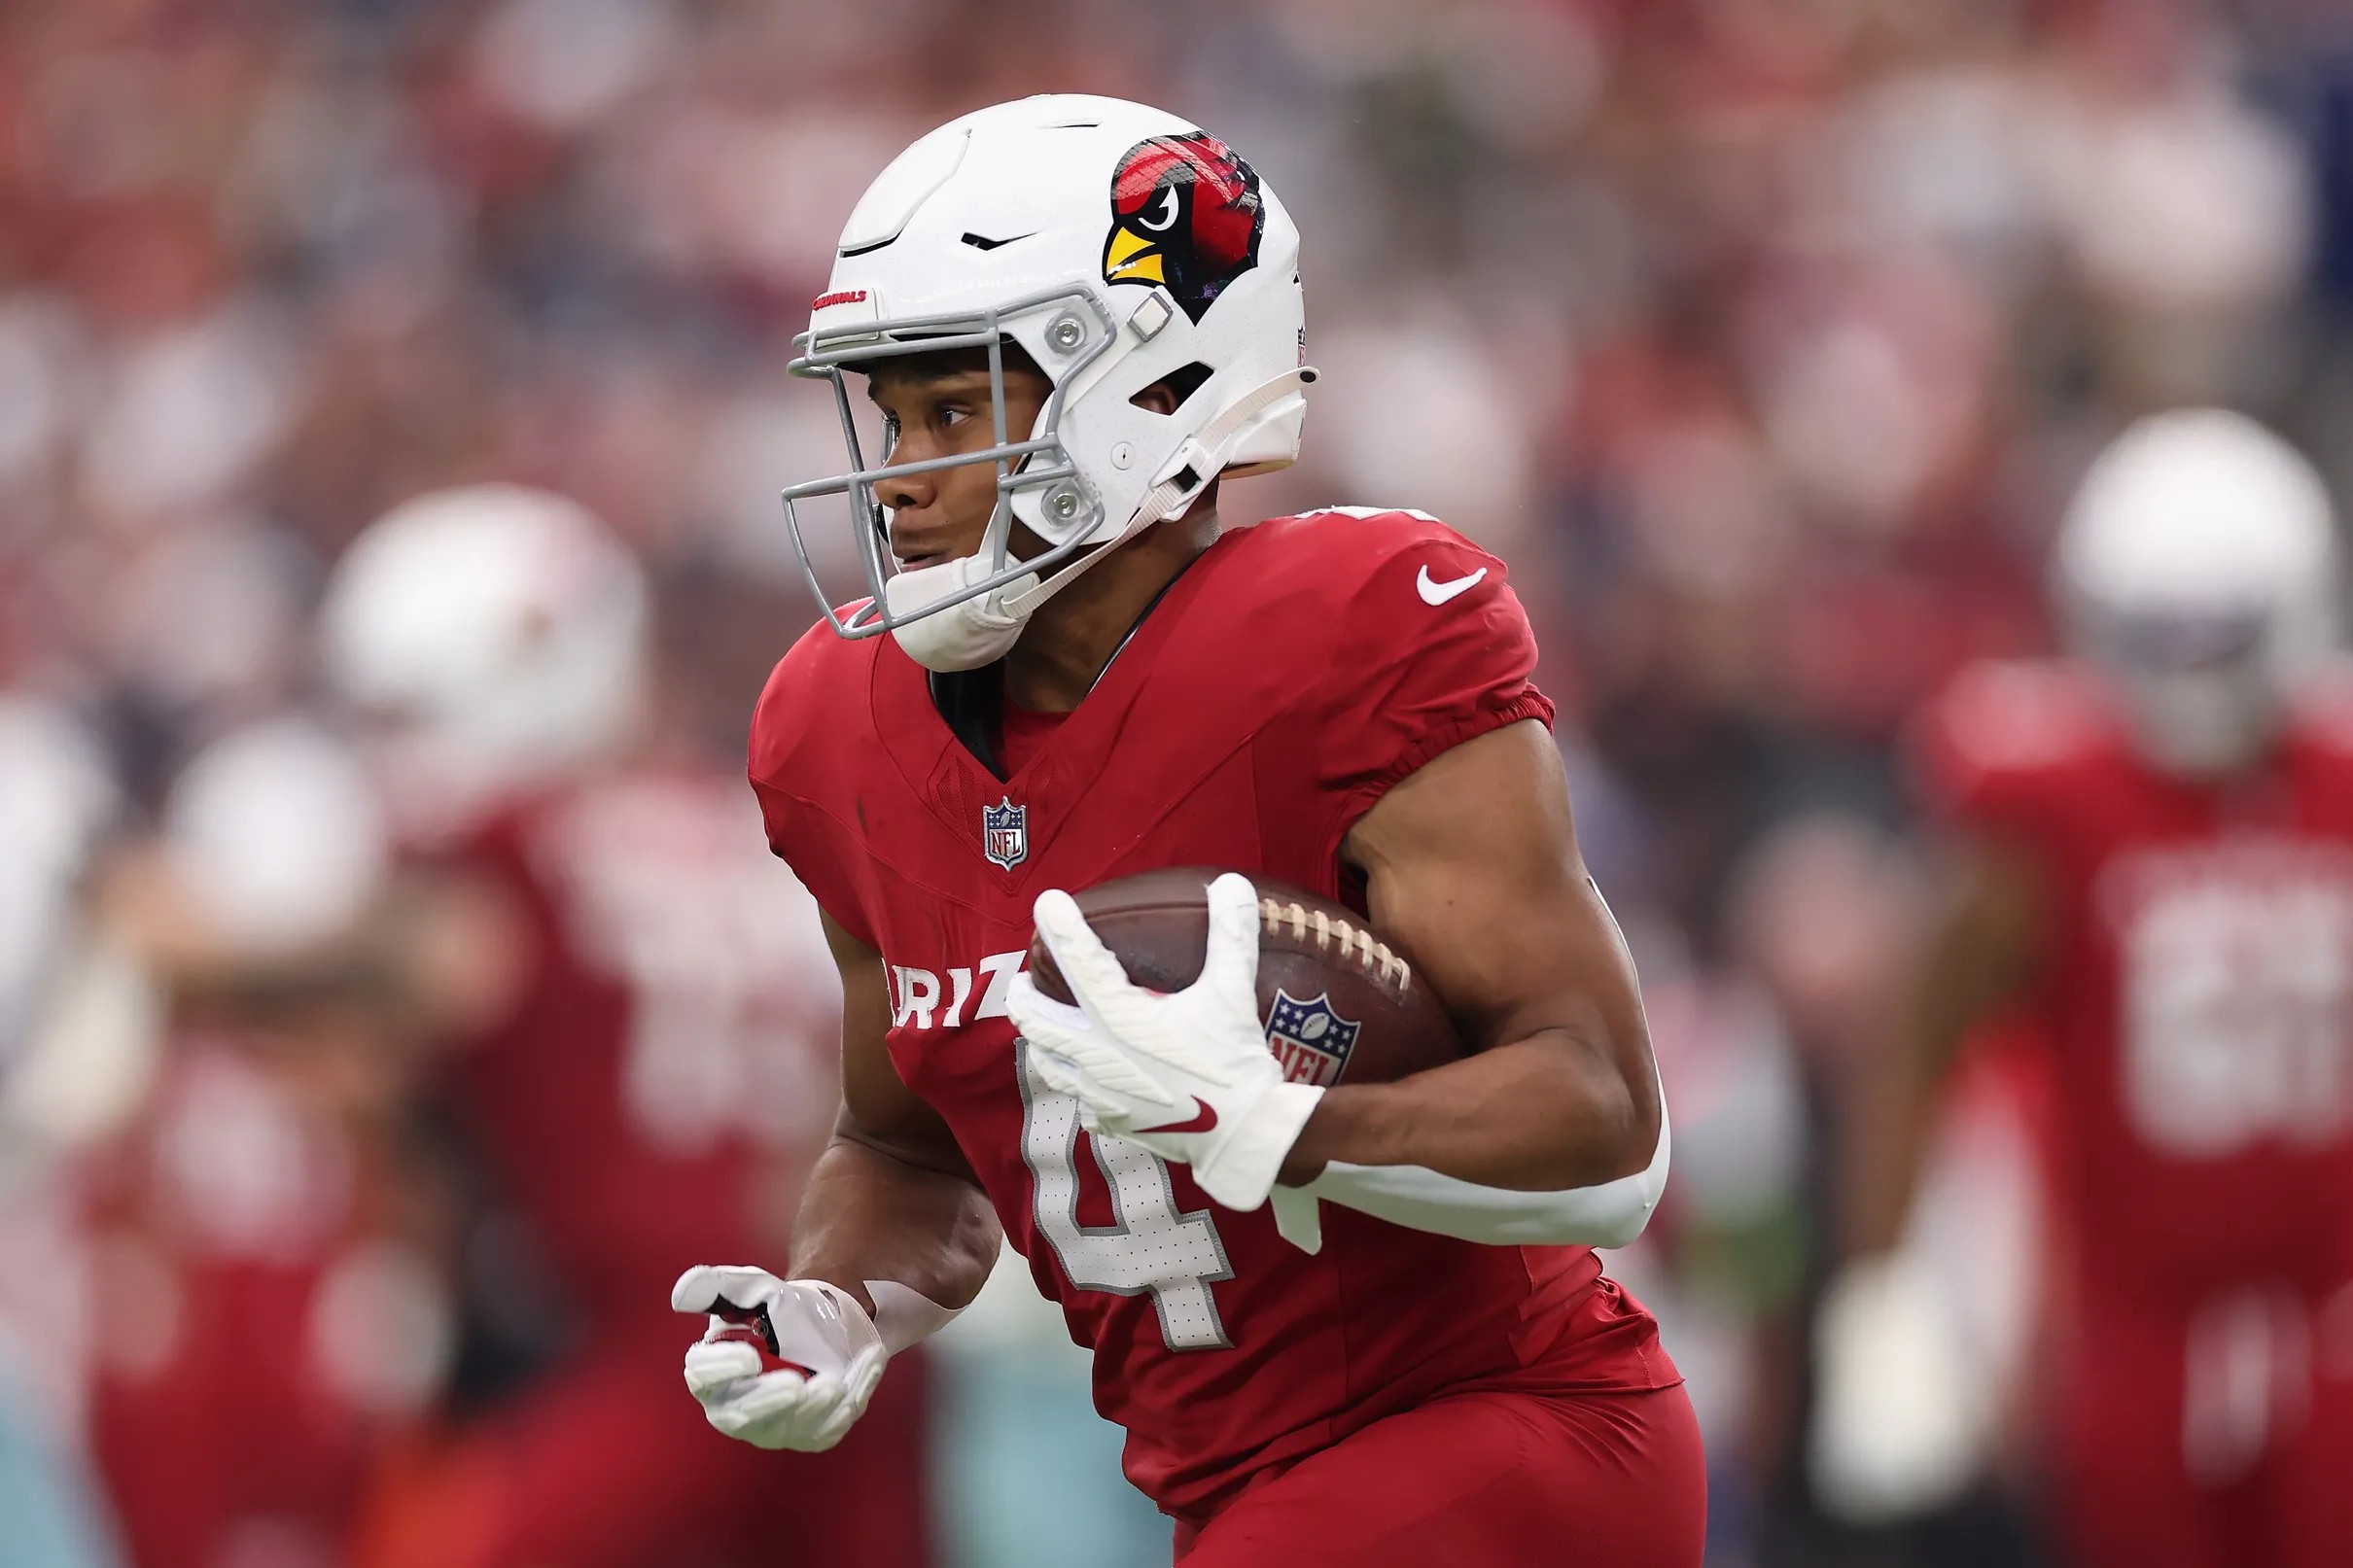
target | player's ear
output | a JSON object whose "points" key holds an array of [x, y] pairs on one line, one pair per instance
{"points": [[1168, 394]]}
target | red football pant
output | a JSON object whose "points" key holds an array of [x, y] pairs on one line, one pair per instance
{"points": [[2219, 1438], [1483, 1481]]}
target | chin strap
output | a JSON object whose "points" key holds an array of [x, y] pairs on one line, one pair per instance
{"points": [[964, 634], [1197, 462]]}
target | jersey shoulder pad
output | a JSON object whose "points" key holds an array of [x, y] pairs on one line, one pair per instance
{"points": [[1387, 518], [816, 689], [1412, 643], [2003, 731], [806, 742], [1324, 533], [2323, 711], [1333, 553]]}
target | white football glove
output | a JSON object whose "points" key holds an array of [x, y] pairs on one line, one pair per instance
{"points": [[784, 1363], [1903, 1414], [1187, 1076]]}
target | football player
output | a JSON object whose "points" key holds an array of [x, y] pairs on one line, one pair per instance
{"points": [[265, 1195], [1358, 1324], [638, 1028], [2155, 853]]}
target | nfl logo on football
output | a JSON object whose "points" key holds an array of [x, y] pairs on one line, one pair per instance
{"points": [[1309, 1040], [1004, 833]]}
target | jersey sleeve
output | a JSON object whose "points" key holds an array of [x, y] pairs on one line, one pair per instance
{"points": [[784, 756], [1433, 649], [1986, 754]]}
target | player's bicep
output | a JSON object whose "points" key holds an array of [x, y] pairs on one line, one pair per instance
{"points": [[1471, 864], [878, 1109]]}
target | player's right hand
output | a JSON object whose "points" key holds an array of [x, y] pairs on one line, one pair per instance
{"points": [[784, 1363], [1186, 1075]]}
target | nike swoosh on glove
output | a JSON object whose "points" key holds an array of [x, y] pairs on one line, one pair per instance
{"points": [[1188, 1076], [784, 1363]]}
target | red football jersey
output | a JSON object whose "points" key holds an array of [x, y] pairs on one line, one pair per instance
{"points": [[291, 1312], [671, 1041], [2195, 983], [668, 1061], [1296, 670]]}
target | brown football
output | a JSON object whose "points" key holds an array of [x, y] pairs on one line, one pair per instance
{"points": [[1338, 1002]]}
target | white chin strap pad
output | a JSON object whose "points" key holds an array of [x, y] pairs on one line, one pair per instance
{"points": [[961, 636]]}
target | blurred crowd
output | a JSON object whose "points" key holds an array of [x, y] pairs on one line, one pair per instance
{"points": [[1763, 337]]}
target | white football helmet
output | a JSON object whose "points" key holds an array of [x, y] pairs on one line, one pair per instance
{"points": [[494, 637], [1117, 245], [275, 836], [2198, 568]]}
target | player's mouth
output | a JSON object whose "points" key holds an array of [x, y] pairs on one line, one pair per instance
{"points": [[915, 550]]}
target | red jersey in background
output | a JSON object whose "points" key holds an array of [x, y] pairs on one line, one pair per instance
{"points": [[268, 1308], [2195, 996], [649, 1100]]}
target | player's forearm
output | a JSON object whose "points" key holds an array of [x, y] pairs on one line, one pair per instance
{"points": [[1894, 1113], [1973, 964], [1543, 1114], [869, 1215]]}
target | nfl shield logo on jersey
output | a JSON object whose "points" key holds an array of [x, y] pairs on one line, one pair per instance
{"points": [[1004, 833], [1309, 1040]]}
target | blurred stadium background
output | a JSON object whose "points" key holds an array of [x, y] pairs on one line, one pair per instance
{"points": [[1764, 337]]}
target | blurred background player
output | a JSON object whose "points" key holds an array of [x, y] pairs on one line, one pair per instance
{"points": [[2154, 874], [634, 1043], [269, 1237]]}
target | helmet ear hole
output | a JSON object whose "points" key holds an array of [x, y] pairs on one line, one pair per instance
{"points": [[534, 630], [1173, 390]]}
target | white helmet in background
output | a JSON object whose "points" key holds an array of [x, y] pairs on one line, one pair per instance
{"points": [[2198, 568], [275, 838], [1117, 246], [494, 637]]}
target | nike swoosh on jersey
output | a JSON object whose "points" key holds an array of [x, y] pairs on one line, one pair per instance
{"points": [[1203, 1118], [1438, 593]]}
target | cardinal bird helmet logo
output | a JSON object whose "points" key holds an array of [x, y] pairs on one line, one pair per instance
{"points": [[1186, 215]]}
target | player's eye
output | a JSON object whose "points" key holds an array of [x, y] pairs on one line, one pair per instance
{"points": [[890, 433]]}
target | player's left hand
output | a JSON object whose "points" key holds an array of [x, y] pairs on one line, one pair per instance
{"points": [[1187, 1076], [784, 1363]]}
